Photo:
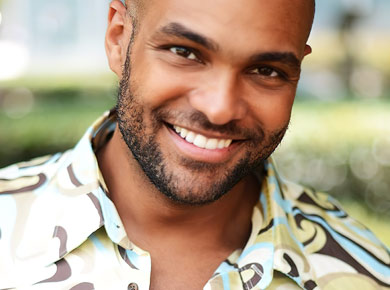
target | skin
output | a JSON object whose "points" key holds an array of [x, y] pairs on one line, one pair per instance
{"points": [[237, 81]]}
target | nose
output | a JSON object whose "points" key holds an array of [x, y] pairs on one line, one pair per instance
{"points": [[219, 99]]}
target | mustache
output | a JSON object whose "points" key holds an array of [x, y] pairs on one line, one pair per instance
{"points": [[199, 120]]}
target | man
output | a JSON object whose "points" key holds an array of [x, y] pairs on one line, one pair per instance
{"points": [[174, 189]]}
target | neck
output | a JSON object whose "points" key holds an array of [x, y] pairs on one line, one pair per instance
{"points": [[149, 217]]}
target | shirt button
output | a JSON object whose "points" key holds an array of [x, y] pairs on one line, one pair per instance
{"points": [[133, 286]]}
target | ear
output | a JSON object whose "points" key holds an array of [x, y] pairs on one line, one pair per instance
{"points": [[308, 50], [117, 36]]}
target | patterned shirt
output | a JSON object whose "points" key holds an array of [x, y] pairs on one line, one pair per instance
{"points": [[60, 230]]}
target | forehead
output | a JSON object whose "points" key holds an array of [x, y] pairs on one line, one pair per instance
{"points": [[286, 22]]}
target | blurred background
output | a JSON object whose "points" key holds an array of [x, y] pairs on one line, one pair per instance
{"points": [[54, 82]]}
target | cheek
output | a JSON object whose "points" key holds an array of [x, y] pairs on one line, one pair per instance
{"points": [[161, 87], [159, 84], [273, 110]]}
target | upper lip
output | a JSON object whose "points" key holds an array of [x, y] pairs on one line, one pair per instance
{"points": [[210, 134]]}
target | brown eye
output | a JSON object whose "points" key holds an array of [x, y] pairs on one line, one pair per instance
{"points": [[183, 52], [265, 71]]}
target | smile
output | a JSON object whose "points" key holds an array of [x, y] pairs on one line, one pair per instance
{"points": [[202, 141]]}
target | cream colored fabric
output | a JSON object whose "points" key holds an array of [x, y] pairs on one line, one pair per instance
{"points": [[59, 230]]}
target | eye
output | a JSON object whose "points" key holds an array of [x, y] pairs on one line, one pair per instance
{"points": [[184, 52], [265, 71]]}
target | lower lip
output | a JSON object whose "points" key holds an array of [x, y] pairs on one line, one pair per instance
{"points": [[199, 154]]}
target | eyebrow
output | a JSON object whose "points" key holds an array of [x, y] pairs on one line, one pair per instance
{"points": [[181, 31], [287, 58]]}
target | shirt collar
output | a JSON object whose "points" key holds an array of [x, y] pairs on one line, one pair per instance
{"points": [[87, 207], [272, 239]]}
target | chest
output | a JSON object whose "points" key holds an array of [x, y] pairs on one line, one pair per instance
{"points": [[100, 264], [179, 272]]}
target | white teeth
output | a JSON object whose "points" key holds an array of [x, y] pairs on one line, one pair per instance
{"points": [[221, 144], [183, 133], [212, 144], [202, 141], [177, 129], [190, 137]]}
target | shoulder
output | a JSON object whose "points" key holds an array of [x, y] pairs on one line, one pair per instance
{"points": [[21, 185], [27, 176], [23, 214], [338, 248]]}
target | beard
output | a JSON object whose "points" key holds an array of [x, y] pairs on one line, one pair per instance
{"points": [[182, 180]]}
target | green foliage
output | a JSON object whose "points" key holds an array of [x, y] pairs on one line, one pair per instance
{"points": [[342, 148], [56, 121]]}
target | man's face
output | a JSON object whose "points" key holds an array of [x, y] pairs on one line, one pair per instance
{"points": [[207, 90]]}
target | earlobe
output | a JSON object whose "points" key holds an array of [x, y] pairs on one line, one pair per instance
{"points": [[117, 36], [308, 50]]}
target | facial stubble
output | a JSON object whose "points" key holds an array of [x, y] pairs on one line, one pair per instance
{"points": [[195, 183]]}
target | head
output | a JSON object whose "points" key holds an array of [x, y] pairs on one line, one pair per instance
{"points": [[223, 71]]}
